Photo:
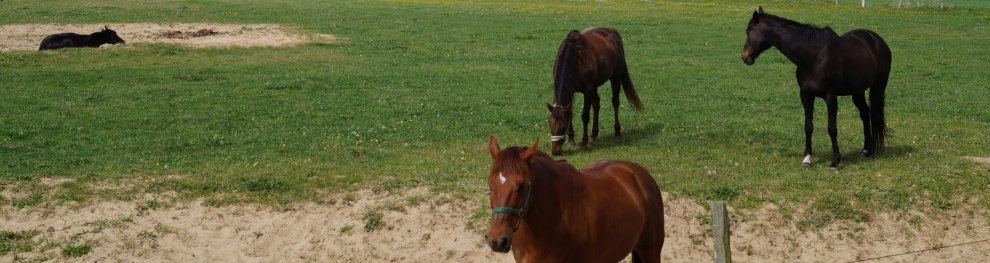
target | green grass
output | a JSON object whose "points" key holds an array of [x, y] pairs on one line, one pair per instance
{"points": [[16, 241], [412, 97]]}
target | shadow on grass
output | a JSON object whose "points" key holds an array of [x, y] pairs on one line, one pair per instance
{"points": [[606, 139], [851, 156]]}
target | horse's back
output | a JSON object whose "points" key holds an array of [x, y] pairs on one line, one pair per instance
{"points": [[629, 175], [61, 40], [865, 57]]}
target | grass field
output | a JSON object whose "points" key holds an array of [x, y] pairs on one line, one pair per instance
{"points": [[412, 97]]}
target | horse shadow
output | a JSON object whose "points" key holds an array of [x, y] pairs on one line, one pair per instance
{"points": [[630, 136], [852, 156]]}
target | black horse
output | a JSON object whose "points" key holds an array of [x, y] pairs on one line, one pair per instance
{"points": [[828, 66], [586, 60], [105, 36]]}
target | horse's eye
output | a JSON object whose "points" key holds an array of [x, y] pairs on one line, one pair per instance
{"points": [[520, 189]]}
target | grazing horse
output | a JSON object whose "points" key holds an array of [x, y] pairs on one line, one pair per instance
{"points": [[105, 36], [549, 211], [828, 66], [585, 60]]}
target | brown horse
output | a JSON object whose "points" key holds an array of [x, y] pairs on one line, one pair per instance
{"points": [[585, 60], [549, 211]]}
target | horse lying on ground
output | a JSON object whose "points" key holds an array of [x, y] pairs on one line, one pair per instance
{"points": [[549, 211], [57, 41]]}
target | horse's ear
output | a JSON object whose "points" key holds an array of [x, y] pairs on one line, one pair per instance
{"points": [[574, 35], [568, 107], [493, 146], [531, 150], [549, 107], [760, 10]]}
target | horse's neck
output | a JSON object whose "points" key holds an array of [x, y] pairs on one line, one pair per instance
{"points": [[800, 48], [556, 182]]}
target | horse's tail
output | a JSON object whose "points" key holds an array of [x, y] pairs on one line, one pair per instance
{"points": [[878, 90], [623, 70]]}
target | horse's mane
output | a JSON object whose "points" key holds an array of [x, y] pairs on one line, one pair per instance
{"points": [[510, 159], [565, 66], [807, 30]]}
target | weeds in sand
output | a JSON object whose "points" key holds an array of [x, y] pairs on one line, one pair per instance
{"points": [[703, 219], [101, 224], [415, 200], [346, 229], [393, 206], [76, 250], [915, 220], [147, 234], [33, 199], [372, 220], [479, 218], [148, 205], [16, 241], [441, 201], [828, 208], [349, 198]]}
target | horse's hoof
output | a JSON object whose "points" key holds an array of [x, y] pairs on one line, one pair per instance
{"points": [[833, 168], [618, 138], [583, 147], [866, 153], [805, 165]]}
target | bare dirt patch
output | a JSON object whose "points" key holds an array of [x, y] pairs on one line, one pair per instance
{"points": [[419, 226], [195, 35], [983, 160]]}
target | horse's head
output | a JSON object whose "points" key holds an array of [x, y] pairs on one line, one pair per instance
{"points": [[560, 122], [510, 182], [756, 37], [107, 36]]}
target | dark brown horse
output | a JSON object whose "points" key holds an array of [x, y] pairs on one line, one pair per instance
{"points": [[548, 211], [585, 60], [61, 40], [828, 66]]}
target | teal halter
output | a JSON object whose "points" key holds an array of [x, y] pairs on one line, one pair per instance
{"points": [[514, 211]]}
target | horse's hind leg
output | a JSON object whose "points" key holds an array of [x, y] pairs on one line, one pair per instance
{"points": [[615, 107], [869, 146], [596, 105]]}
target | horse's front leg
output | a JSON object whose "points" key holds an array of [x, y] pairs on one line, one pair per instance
{"points": [[585, 116], [832, 103], [808, 101]]}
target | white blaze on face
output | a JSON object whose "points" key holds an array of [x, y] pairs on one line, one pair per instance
{"points": [[807, 159], [501, 178]]}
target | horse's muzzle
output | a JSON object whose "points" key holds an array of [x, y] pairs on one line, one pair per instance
{"points": [[747, 56], [556, 148], [499, 245]]}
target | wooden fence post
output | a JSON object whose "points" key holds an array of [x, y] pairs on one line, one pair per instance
{"points": [[720, 229]]}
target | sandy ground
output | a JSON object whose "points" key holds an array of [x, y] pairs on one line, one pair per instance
{"points": [[28, 37], [440, 228]]}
